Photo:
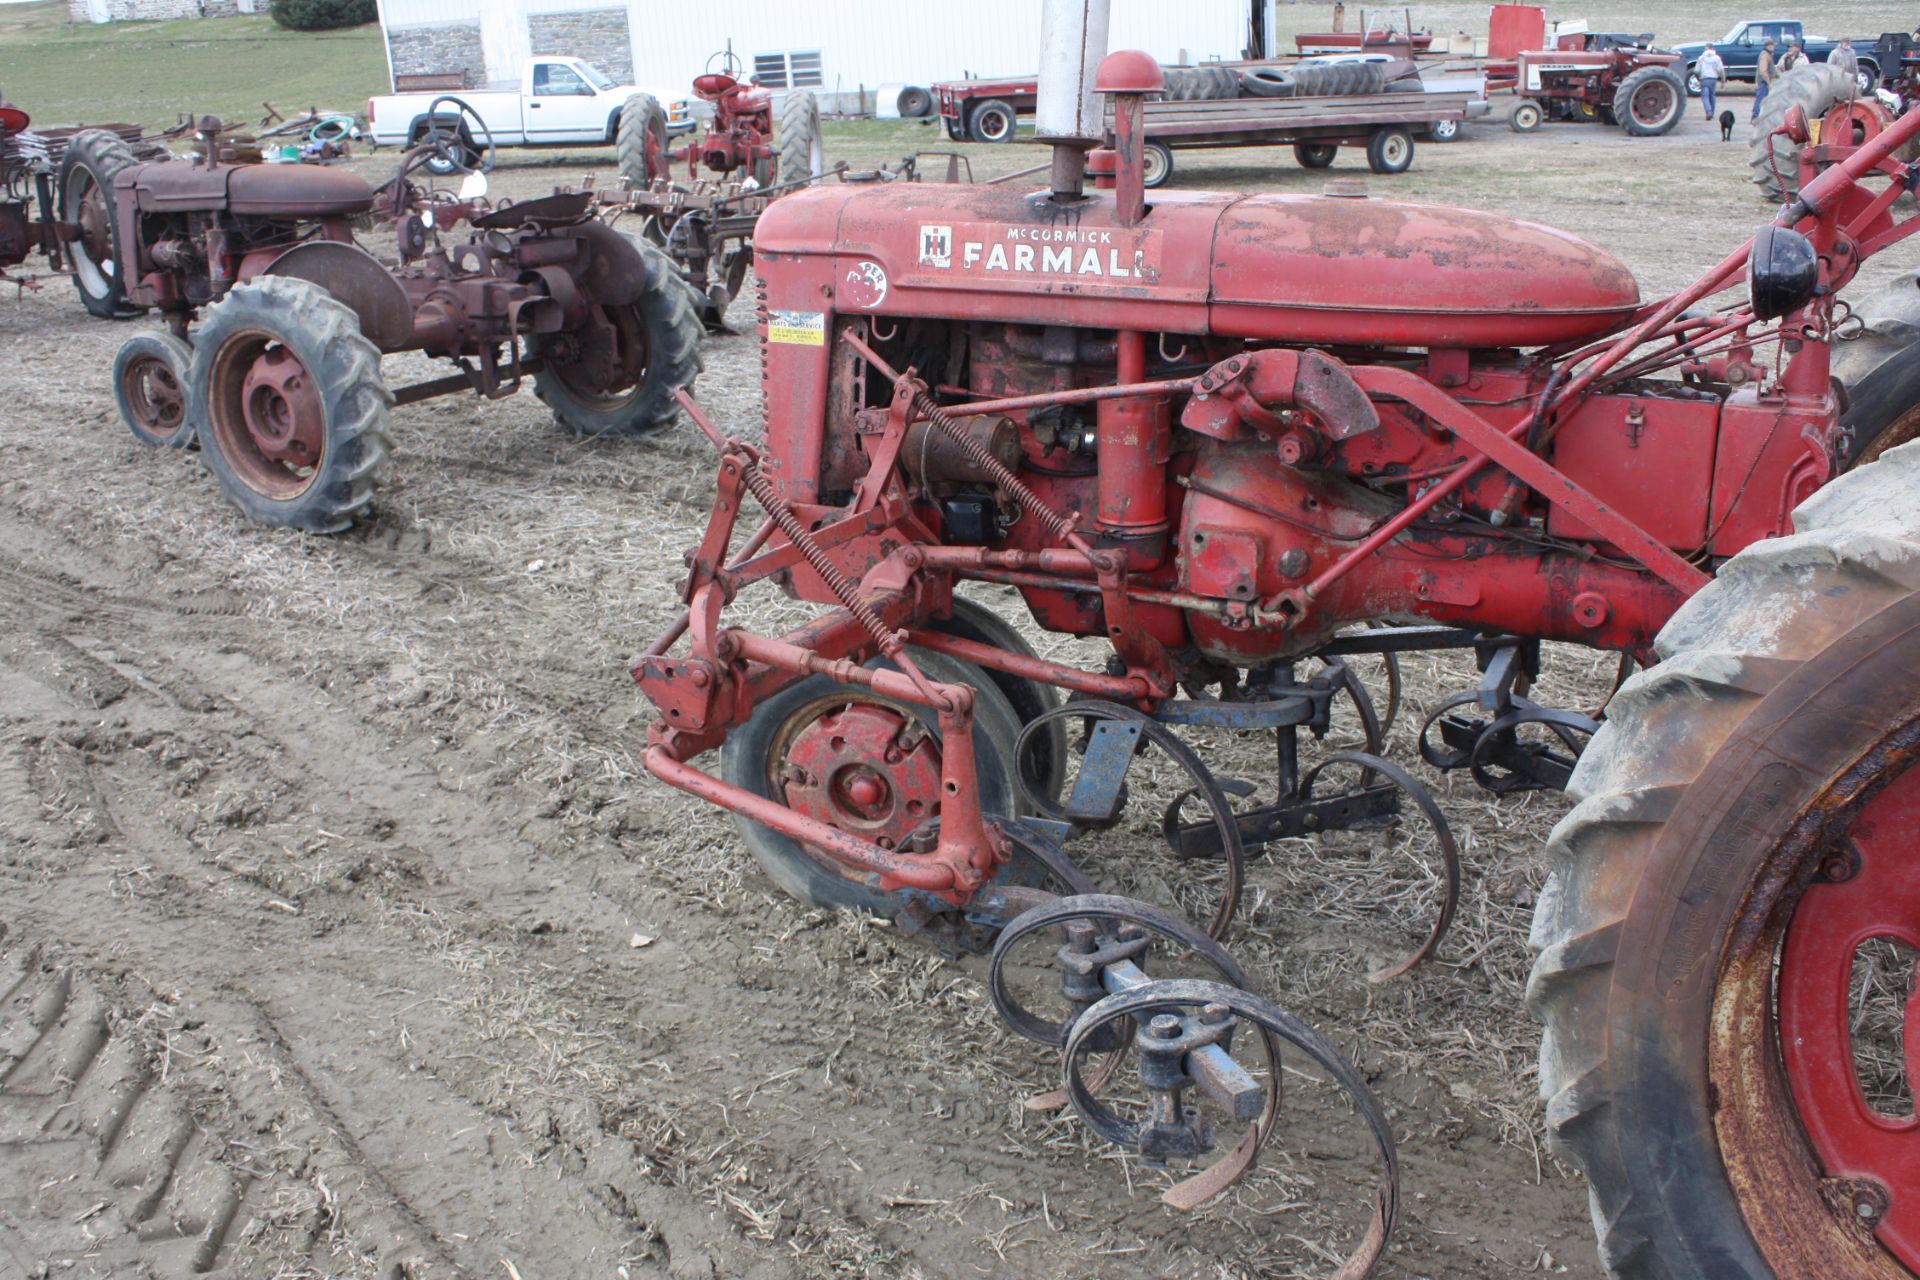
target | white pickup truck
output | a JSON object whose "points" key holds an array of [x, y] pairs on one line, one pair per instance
{"points": [[558, 102]]}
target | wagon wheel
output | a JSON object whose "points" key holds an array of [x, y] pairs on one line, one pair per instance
{"points": [[150, 378], [1743, 848]]}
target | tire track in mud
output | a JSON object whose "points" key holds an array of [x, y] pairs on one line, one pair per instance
{"points": [[407, 1129]]}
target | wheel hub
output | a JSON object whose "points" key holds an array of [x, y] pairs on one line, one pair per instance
{"points": [[282, 409], [1865, 890], [867, 768], [96, 236], [154, 396]]}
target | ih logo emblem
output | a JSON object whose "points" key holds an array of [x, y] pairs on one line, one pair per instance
{"points": [[936, 247]]}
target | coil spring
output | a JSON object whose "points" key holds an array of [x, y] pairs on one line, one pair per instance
{"points": [[802, 539], [982, 457]]}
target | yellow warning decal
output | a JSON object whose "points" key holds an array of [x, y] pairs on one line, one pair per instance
{"points": [[798, 328]]}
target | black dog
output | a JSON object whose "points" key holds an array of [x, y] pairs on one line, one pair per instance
{"points": [[1726, 126]]}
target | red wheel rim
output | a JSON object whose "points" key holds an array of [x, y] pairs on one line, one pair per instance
{"points": [[266, 415], [1653, 103], [866, 767], [154, 397], [1867, 889]]}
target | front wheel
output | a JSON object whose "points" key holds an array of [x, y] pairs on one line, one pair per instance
{"points": [[1729, 932], [615, 374], [1693, 82], [1526, 116], [1443, 130], [1390, 150], [291, 410], [150, 379], [862, 763]]}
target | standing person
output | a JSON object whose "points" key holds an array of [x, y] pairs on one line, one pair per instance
{"points": [[1709, 68], [1763, 73], [1340, 15], [1846, 59], [1793, 57]]}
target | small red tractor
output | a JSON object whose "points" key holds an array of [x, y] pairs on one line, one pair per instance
{"points": [[280, 383], [1595, 76], [1228, 435], [743, 141]]}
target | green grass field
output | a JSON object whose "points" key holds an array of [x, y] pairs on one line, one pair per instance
{"points": [[150, 72]]}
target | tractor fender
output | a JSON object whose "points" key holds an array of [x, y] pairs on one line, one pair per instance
{"points": [[358, 280], [1242, 391], [611, 272]]}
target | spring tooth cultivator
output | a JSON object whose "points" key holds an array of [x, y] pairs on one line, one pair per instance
{"points": [[1230, 435]]}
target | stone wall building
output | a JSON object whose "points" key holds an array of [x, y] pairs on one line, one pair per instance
{"points": [[158, 10]]}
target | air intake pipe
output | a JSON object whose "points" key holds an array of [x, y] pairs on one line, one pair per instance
{"points": [[1073, 40]]}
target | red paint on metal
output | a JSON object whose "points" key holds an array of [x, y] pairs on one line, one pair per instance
{"points": [[1854, 1139]]}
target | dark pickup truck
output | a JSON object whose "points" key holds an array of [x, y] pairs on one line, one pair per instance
{"points": [[1740, 50]]}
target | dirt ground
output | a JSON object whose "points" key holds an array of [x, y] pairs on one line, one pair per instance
{"points": [[343, 935]]}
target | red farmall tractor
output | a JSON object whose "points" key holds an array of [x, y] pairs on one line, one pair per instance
{"points": [[1596, 76], [742, 141], [1233, 435], [280, 384]]}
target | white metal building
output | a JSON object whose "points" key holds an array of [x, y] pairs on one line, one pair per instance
{"points": [[835, 47]]}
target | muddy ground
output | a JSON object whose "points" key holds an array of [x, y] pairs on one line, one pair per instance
{"points": [[344, 936]]}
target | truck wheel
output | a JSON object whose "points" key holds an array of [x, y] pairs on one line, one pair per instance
{"points": [[641, 141], [1156, 164], [1741, 845], [1866, 79], [1526, 116], [292, 414], [993, 121], [798, 131], [914, 102], [1390, 150], [1693, 82], [823, 748], [86, 201], [1881, 372], [1443, 131], [1315, 155], [1774, 159], [1649, 102], [617, 373], [150, 379]]}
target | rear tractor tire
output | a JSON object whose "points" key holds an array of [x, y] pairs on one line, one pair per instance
{"points": [[640, 142], [798, 131], [1881, 372], [1743, 842], [1774, 159], [863, 763], [1649, 102], [290, 406], [93, 157], [617, 375], [151, 374]]}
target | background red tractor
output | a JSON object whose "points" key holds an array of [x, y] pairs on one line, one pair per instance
{"points": [[1607, 77], [1244, 441], [747, 139], [280, 383]]}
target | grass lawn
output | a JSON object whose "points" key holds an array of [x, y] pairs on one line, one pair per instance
{"points": [[150, 72]]}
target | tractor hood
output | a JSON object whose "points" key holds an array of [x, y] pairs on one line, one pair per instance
{"points": [[1309, 269]]}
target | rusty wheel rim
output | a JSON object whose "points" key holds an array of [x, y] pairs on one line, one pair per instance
{"points": [[605, 364], [1653, 103], [1827, 1184], [862, 765], [266, 415], [156, 402], [1904, 428]]}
